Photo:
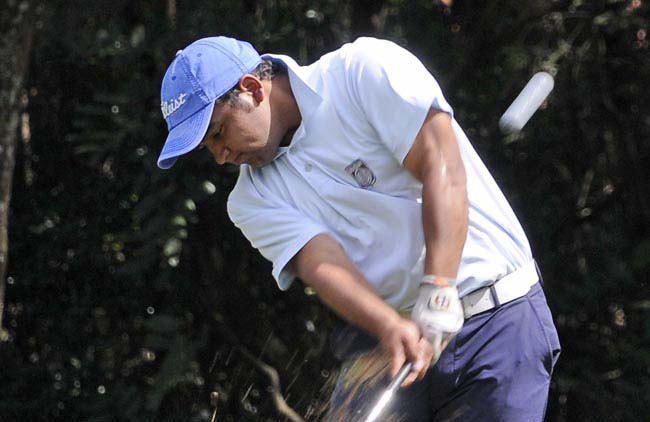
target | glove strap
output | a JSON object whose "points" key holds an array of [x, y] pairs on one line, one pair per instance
{"points": [[438, 281]]}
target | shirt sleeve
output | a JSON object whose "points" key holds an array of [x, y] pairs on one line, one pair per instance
{"points": [[393, 90], [272, 226]]}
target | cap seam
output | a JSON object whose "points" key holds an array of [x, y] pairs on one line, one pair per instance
{"points": [[178, 123], [197, 88]]}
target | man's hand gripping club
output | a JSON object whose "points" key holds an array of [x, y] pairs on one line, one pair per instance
{"points": [[436, 318], [438, 312], [402, 340]]}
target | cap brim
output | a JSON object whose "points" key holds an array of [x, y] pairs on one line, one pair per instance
{"points": [[186, 136]]}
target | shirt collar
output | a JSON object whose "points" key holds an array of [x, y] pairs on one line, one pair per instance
{"points": [[306, 96]]}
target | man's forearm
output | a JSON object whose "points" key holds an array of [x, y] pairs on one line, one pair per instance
{"points": [[325, 266]]}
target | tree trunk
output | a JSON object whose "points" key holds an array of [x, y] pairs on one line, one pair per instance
{"points": [[16, 37]]}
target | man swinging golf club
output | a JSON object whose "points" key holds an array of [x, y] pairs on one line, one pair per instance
{"points": [[356, 178]]}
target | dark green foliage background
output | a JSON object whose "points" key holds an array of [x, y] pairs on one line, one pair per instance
{"points": [[130, 295]]}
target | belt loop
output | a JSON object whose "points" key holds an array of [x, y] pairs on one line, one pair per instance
{"points": [[495, 298]]}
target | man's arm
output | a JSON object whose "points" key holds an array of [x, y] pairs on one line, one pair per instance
{"points": [[435, 160], [323, 264]]}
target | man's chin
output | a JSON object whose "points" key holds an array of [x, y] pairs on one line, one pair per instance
{"points": [[258, 162]]}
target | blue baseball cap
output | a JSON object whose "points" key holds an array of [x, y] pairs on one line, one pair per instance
{"points": [[198, 76]]}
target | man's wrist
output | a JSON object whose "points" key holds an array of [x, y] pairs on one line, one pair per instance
{"points": [[384, 327], [438, 281]]}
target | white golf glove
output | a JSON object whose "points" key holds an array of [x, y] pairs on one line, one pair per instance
{"points": [[438, 313]]}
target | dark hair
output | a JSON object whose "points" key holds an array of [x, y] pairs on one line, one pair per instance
{"points": [[266, 70]]}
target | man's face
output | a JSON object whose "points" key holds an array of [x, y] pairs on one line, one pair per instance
{"points": [[243, 133]]}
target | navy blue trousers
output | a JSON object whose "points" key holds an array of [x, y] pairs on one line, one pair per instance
{"points": [[498, 369]]}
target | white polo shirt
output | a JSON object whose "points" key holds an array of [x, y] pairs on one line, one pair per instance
{"points": [[362, 107]]}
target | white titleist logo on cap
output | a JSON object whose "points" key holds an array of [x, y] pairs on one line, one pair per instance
{"points": [[168, 107]]}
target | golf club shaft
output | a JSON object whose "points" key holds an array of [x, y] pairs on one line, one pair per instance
{"points": [[388, 393], [400, 377]]}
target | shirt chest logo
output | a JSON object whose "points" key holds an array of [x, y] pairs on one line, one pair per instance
{"points": [[361, 173]]}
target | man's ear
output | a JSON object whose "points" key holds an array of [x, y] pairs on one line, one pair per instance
{"points": [[252, 84]]}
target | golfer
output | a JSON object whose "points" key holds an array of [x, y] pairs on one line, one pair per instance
{"points": [[356, 178]]}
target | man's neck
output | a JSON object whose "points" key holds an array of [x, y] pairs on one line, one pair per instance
{"points": [[285, 102]]}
